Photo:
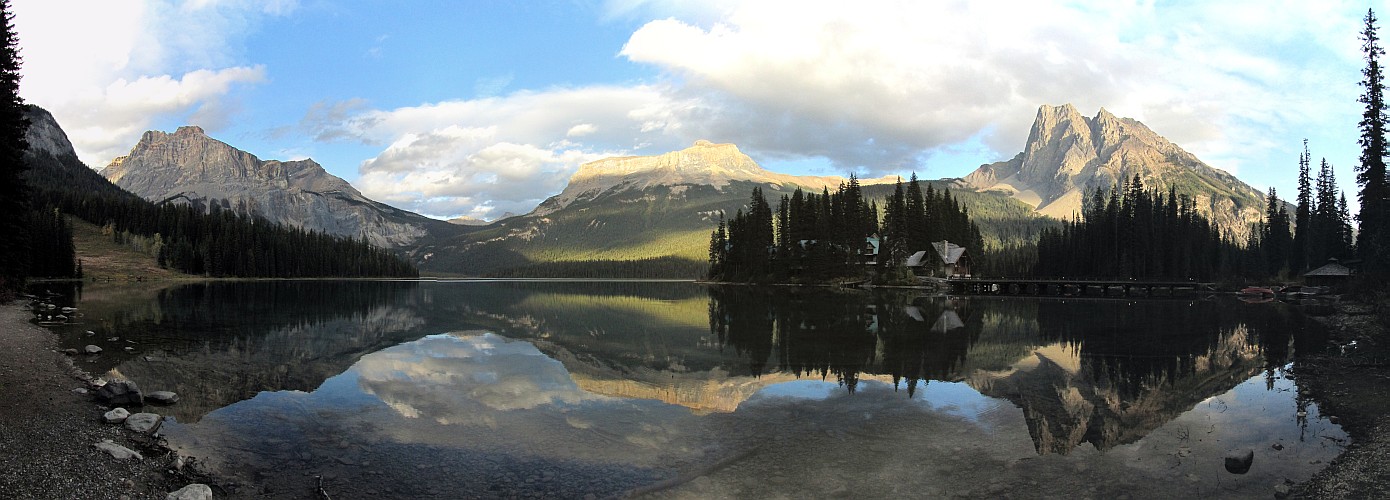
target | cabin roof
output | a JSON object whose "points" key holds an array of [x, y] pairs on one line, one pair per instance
{"points": [[915, 260], [950, 252], [1330, 269]]}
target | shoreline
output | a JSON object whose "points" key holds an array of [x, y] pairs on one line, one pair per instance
{"points": [[48, 430], [1350, 380]]}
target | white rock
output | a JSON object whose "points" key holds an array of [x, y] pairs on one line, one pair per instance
{"points": [[191, 492], [118, 451], [116, 416], [91, 349], [144, 423]]}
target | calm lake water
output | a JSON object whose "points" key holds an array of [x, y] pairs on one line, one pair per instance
{"points": [[487, 389]]}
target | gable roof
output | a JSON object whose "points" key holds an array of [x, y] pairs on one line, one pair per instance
{"points": [[916, 259], [1330, 269], [950, 252]]}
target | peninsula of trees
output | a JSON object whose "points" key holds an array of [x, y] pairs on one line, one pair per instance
{"points": [[831, 236]]}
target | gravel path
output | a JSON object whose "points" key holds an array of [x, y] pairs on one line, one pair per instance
{"points": [[47, 431]]}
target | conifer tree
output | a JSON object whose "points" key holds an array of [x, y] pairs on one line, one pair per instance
{"points": [[1303, 215], [1375, 194], [917, 230], [14, 195]]}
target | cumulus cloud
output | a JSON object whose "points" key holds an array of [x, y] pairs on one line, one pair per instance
{"points": [[877, 85], [164, 60], [489, 156]]}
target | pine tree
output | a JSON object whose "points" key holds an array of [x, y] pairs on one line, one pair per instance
{"points": [[1303, 215], [14, 194], [916, 218], [1375, 194]]}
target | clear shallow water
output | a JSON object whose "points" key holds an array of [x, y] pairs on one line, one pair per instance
{"points": [[565, 389]]}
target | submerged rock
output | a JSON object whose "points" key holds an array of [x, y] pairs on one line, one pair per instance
{"points": [[91, 349], [162, 397], [117, 451], [144, 423], [120, 393], [116, 416], [1239, 461], [70, 352], [191, 492]]}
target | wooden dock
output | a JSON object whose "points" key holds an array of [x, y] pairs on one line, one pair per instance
{"points": [[1076, 287]]}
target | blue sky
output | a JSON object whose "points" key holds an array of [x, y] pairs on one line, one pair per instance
{"points": [[484, 107]]}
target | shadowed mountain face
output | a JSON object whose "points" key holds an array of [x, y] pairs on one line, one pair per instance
{"points": [[53, 164], [187, 166], [1069, 155]]}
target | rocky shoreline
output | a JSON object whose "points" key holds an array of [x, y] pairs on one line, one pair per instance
{"points": [[1351, 381], [54, 439]]}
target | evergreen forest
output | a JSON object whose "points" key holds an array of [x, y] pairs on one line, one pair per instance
{"points": [[833, 236]]}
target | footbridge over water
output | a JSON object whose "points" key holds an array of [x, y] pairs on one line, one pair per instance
{"points": [[1076, 287]]}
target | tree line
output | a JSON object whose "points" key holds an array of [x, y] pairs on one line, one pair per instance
{"points": [[1137, 233], [1321, 225], [815, 237], [39, 191], [222, 243]]}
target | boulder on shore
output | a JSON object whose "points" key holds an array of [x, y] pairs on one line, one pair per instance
{"points": [[120, 393], [144, 423], [116, 416], [162, 397], [118, 451], [191, 492]]}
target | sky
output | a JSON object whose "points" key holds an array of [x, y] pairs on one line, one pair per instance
{"points": [[483, 107]]}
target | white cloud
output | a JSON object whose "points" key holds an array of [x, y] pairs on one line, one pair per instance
{"points": [[488, 156], [109, 70], [878, 85], [581, 130]]}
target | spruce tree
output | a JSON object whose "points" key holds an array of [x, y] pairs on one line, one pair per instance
{"points": [[1375, 194], [1303, 215], [14, 194], [917, 239]]}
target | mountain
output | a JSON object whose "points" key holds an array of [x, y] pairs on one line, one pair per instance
{"points": [[705, 163], [632, 208], [53, 163], [1069, 155], [189, 167], [464, 220]]}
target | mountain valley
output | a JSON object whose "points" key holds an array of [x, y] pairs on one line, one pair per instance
{"points": [[651, 216]]}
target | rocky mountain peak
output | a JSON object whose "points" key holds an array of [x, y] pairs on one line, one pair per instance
{"points": [[1069, 155], [44, 135], [188, 166]]}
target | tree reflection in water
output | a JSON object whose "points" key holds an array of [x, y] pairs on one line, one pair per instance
{"points": [[1104, 372]]}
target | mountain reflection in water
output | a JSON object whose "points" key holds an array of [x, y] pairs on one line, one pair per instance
{"points": [[616, 387]]}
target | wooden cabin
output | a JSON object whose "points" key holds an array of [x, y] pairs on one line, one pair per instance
{"points": [[1332, 274], [945, 259]]}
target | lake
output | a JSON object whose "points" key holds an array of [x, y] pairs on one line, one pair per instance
{"points": [[458, 389]]}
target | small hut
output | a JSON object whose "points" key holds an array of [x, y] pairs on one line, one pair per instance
{"points": [[1332, 274]]}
